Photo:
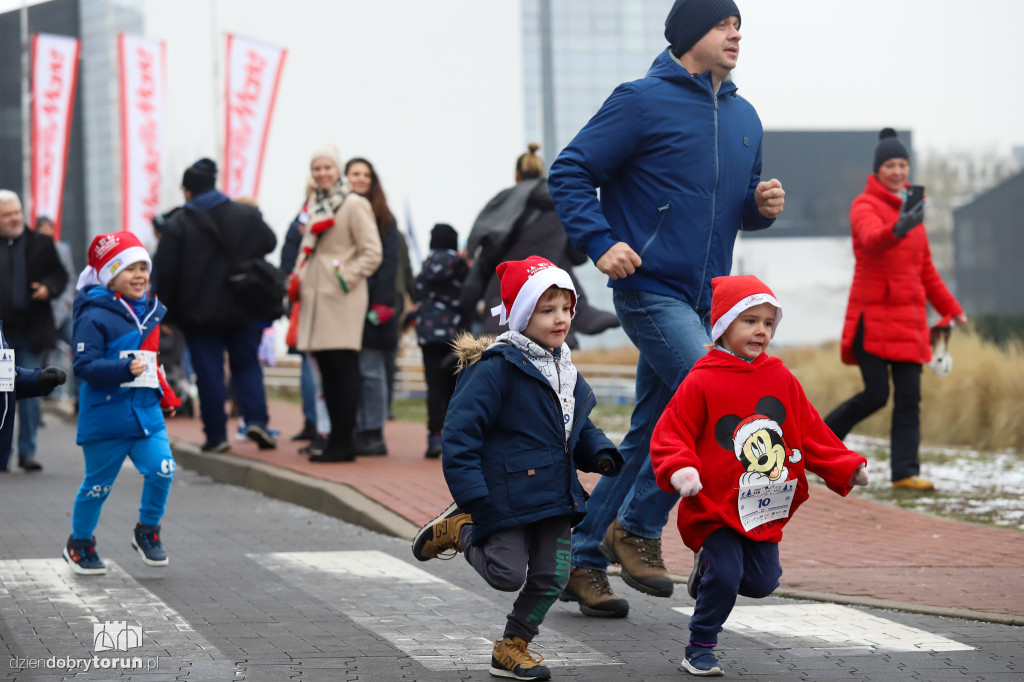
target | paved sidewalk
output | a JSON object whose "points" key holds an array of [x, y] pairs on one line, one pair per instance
{"points": [[845, 550]]}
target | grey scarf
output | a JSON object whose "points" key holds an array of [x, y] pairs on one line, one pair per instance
{"points": [[560, 372]]}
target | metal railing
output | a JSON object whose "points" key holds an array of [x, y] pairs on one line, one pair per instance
{"points": [[614, 384]]}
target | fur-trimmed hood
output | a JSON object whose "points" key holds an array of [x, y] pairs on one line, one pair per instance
{"points": [[469, 349]]}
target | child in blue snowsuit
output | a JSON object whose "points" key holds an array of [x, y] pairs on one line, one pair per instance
{"points": [[122, 398], [28, 383]]}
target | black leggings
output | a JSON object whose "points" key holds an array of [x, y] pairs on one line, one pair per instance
{"points": [[342, 384], [905, 438], [439, 371]]}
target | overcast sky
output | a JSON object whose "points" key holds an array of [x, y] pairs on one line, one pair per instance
{"points": [[951, 71]]}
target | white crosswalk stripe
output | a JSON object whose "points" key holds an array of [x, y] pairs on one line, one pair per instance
{"points": [[46, 591], [441, 625], [834, 626]]}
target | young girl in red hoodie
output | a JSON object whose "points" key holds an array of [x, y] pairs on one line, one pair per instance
{"points": [[735, 441]]}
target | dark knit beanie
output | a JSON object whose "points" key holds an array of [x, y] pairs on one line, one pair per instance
{"points": [[444, 236], [889, 147], [200, 176], [689, 20]]}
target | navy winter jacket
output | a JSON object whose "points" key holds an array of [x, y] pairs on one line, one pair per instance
{"points": [[506, 458], [103, 328], [26, 385], [677, 166]]}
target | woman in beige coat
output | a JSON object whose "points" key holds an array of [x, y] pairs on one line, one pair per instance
{"points": [[340, 250]]}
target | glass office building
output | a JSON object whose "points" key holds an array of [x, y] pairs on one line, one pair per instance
{"points": [[576, 52]]}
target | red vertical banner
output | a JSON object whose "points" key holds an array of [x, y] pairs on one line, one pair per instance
{"points": [[252, 77], [54, 76], [143, 85]]}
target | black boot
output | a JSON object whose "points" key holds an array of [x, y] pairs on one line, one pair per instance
{"points": [[337, 450], [29, 463], [371, 442], [315, 447], [308, 431]]}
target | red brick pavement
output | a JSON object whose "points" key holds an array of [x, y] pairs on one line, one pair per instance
{"points": [[848, 547]]}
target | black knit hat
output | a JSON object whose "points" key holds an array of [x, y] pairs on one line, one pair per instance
{"points": [[889, 147], [200, 176], [444, 236], [689, 20]]}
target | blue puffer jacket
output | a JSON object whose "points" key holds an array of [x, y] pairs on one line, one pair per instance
{"points": [[103, 328], [677, 167], [506, 458]]}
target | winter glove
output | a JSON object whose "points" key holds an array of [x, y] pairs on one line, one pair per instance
{"points": [[380, 314], [52, 377], [292, 286], [860, 476], [909, 220], [686, 481]]}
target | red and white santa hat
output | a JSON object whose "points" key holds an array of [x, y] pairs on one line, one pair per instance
{"points": [[731, 295], [109, 254], [522, 283]]}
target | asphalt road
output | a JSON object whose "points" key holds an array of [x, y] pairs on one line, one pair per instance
{"points": [[259, 589]]}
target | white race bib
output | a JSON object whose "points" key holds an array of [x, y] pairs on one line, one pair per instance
{"points": [[6, 370], [148, 378], [759, 504], [568, 404]]}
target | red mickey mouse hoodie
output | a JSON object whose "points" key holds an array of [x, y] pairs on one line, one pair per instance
{"points": [[750, 432]]}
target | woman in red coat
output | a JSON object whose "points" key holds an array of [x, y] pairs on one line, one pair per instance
{"points": [[886, 319]]}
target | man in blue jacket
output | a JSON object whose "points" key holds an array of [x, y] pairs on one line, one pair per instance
{"points": [[677, 158]]}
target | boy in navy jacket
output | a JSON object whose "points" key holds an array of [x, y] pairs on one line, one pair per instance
{"points": [[123, 395], [517, 429], [27, 383]]}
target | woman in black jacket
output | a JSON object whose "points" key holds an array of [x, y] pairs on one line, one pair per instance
{"points": [[380, 333]]}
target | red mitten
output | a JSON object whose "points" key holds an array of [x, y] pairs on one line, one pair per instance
{"points": [[384, 312], [293, 287]]}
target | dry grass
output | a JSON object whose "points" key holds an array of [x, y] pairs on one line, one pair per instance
{"points": [[980, 405]]}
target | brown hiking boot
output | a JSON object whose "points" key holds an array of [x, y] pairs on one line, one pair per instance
{"points": [[642, 566], [913, 483], [591, 589], [511, 658], [441, 534]]}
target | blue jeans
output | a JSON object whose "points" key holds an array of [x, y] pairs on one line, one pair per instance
{"points": [[308, 387], [373, 403], [670, 336], [29, 409], [207, 351]]}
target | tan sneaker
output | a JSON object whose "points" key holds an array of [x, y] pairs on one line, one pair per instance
{"points": [[590, 587], [642, 566], [441, 534], [913, 483], [511, 658]]}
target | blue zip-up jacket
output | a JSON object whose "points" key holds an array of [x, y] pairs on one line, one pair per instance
{"points": [[103, 328], [506, 458], [677, 166]]}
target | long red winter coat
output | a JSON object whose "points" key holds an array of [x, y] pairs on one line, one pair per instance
{"points": [[892, 280]]}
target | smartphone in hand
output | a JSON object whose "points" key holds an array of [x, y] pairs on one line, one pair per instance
{"points": [[915, 195]]}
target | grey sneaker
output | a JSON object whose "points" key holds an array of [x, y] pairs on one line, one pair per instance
{"points": [[263, 438]]}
